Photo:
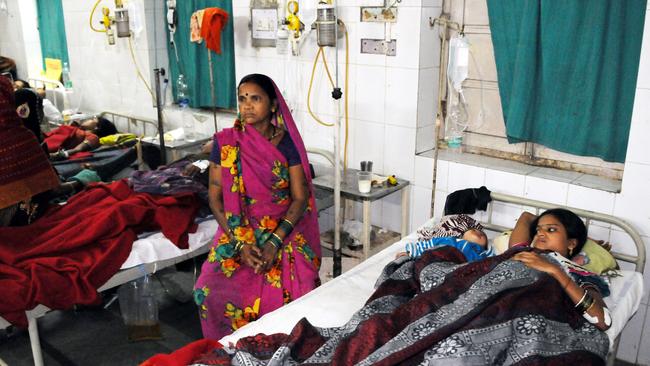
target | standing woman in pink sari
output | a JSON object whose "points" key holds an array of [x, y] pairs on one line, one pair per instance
{"points": [[266, 251]]}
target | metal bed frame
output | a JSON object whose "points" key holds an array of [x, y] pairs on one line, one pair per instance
{"points": [[638, 260]]}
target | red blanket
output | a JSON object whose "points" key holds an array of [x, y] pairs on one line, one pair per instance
{"points": [[63, 258]]}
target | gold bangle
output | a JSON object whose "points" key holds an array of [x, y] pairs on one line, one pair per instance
{"points": [[582, 299], [277, 236], [289, 221]]}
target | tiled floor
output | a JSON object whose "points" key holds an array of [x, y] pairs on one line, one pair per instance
{"points": [[98, 336]]}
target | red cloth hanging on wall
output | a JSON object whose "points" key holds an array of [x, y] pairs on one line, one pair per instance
{"points": [[214, 20]]}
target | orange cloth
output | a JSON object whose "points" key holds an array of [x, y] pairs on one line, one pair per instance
{"points": [[214, 20]]}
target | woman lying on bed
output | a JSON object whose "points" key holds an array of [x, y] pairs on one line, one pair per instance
{"points": [[564, 233], [68, 140], [440, 309]]}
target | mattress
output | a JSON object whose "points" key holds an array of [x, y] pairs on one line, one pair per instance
{"points": [[156, 247], [333, 303]]}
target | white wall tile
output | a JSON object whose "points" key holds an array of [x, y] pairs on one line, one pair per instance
{"points": [[622, 242], [442, 176], [505, 214], [591, 199], [439, 204], [643, 80], [465, 176], [367, 30], [429, 39], [376, 212], [399, 151], [631, 203], [423, 172], [369, 144], [424, 139], [420, 206], [427, 96], [401, 96], [631, 335], [392, 212], [546, 190], [407, 33], [638, 150], [371, 93], [504, 182]]}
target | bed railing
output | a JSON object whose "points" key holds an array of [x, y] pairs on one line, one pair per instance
{"points": [[589, 216], [132, 122]]}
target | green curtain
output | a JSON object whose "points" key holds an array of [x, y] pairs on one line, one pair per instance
{"points": [[193, 58], [567, 71], [51, 29]]}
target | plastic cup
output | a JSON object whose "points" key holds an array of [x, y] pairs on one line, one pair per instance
{"points": [[365, 181]]}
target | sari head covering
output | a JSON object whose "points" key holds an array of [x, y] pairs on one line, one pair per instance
{"points": [[256, 197], [24, 168]]}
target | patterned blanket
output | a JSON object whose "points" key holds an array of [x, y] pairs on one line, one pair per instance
{"points": [[438, 309]]}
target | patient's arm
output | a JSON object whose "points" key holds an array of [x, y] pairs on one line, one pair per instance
{"points": [[597, 314], [84, 146], [521, 232]]}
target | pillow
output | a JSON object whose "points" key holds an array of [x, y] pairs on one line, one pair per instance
{"points": [[593, 257], [500, 243]]}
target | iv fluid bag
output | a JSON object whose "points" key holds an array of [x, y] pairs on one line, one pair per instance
{"points": [[458, 66]]}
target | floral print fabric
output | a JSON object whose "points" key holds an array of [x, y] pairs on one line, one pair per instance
{"points": [[255, 186]]}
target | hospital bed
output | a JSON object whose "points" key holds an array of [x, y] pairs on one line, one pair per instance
{"points": [[333, 303], [148, 255]]}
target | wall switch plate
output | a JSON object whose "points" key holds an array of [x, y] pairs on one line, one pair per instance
{"points": [[379, 46], [378, 14]]}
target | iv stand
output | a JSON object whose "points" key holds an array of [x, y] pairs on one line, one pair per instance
{"points": [[336, 95], [161, 129], [212, 93]]}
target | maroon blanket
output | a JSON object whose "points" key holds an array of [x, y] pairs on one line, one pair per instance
{"points": [[63, 258], [439, 310]]}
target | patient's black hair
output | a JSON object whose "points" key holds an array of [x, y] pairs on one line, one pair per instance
{"points": [[25, 84], [262, 81], [575, 228], [105, 127]]}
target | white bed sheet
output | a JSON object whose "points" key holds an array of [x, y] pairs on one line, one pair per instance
{"points": [[334, 303], [151, 249], [157, 247]]}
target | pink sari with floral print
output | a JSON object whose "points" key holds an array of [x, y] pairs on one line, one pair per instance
{"points": [[255, 181]]}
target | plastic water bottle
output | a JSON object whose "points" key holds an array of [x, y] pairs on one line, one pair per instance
{"points": [[65, 76], [182, 93]]}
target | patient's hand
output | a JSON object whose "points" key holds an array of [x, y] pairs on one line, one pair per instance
{"points": [[252, 257], [191, 170], [536, 261], [401, 254]]}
